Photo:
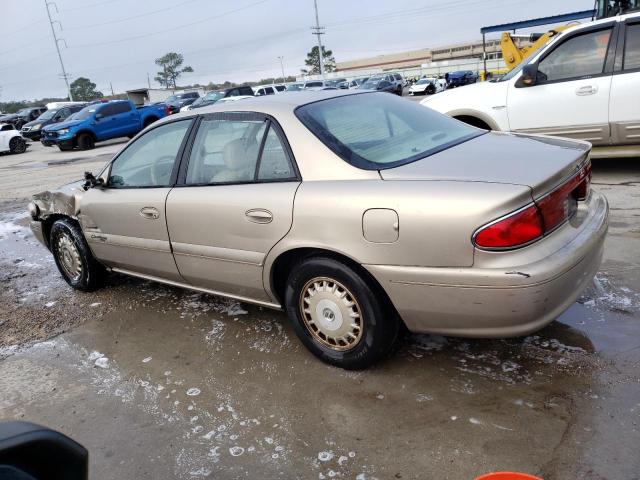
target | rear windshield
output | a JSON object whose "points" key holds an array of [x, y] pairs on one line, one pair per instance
{"points": [[374, 131]]}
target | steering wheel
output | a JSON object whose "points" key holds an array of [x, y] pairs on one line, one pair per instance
{"points": [[156, 168]]}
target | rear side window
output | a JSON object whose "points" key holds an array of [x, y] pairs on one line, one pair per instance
{"points": [[397, 76], [374, 131], [274, 161], [632, 47], [579, 56], [225, 151], [281, 88], [314, 84]]}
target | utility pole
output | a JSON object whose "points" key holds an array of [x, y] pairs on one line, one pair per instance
{"points": [[56, 40], [148, 81], [284, 80], [111, 85], [318, 30]]}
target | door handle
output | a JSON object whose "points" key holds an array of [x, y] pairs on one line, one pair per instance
{"points": [[259, 215], [149, 213], [586, 90]]}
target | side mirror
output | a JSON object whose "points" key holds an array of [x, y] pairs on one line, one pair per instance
{"points": [[529, 75], [32, 452], [91, 181]]}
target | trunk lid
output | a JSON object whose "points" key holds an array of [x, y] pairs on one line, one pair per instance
{"points": [[538, 162]]}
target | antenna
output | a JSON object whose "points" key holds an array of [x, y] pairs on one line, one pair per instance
{"points": [[57, 41]]}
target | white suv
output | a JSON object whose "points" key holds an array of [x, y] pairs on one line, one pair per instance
{"points": [[584, 85]]}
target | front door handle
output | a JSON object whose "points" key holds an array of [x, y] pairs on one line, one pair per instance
{"points": [[259, 215], [586, 90], [149, 213]]}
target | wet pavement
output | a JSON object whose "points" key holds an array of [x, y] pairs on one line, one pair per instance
{"points": [[159, 382]]}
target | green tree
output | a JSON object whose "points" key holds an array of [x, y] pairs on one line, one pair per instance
{"points": [[172, 68], [83, 89], [313, 61]]}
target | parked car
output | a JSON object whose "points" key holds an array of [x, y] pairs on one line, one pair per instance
{"points": [[23, 116], [10, 139], [315, 85], [427, 86], [295, 87], [395, 82], [582, 85], [33, 130], [176, 102], [261, 90], [213, 97], [353, 212], [356, 82], [380, 84], [99, 122], [336, 82], [460, 78]]}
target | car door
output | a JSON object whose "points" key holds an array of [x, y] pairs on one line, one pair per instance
{"points": [[127, 120], [624, 106], [232, 204], [570, 97], [124, 222], [103, 123]]}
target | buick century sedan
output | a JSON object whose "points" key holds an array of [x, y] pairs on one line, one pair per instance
{"points": [[359, 214]]}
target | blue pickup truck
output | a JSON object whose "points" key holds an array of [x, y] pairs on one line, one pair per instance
{"points": [[101, 121]]}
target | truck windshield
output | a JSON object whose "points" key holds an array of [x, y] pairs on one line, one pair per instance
{"points": [[48, 114], [375, 131]]}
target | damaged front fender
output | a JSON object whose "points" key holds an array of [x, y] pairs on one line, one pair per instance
{"points": [[64, 201]]}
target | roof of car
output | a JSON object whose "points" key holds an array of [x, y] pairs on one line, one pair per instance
{"points": [[270, 104]]}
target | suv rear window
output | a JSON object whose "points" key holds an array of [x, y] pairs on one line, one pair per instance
{"points": [[375, 131]]}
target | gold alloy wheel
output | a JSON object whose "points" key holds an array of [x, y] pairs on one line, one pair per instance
{"points": [[331, 313], [69, 257]]}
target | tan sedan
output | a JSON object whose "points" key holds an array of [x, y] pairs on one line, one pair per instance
{"points": [[355, 213]]}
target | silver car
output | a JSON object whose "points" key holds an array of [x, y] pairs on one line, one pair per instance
{"points": [[356, 213]]}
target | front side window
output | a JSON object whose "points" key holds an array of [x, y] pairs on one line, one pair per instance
{"points": [[148, 162], [579, 56], [225, 151], [375, 130], [632, 47]]}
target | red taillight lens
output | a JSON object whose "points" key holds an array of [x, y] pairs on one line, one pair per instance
{"points": [[515, 230], [539, 219], [167, 110]]}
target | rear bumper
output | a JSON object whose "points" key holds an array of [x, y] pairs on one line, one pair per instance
{"points": [[512, 300]]}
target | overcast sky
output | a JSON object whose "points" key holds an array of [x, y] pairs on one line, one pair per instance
{"points": [[117, 40]]}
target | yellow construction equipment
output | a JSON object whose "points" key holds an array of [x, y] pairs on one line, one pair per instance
{"points": [[514, 55]]}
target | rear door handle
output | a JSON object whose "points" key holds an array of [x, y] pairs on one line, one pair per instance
{"points": [[586, 90], [259, 215], [149, 213]]}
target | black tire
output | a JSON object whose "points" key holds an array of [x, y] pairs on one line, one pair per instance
{"points": [[86, 141], [379, 323], [74, 259], [17, 145], [64, 147]]}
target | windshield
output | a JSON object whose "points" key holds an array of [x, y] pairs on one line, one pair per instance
{"points": [[48, 114], [515, 71], [86, 112], [371, 83], [294, 87], [423, 81], [375, 131]]}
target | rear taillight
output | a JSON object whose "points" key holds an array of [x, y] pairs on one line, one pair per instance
{"points": [[538, 219], [167, 110], [515, 230]]}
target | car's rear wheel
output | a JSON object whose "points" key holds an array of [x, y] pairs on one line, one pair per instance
{"points": [[86, 141], [73, 257], [17, 145], [338, 315]]}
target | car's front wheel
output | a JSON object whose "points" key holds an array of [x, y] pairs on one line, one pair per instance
{"points": [[339, 315], [17, 145], [86, 141], [73, 257]]}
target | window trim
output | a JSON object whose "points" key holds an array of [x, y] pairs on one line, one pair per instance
{"points": [[607, 66], [270, 122], [623, 46], [176, 162]]}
